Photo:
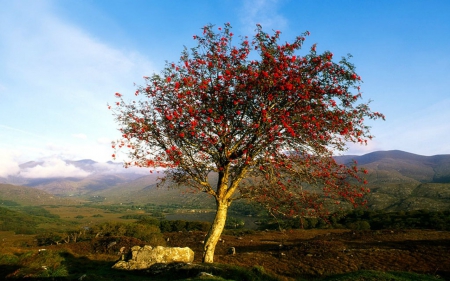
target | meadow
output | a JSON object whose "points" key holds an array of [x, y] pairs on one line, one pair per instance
{"points": [[72, 242]]}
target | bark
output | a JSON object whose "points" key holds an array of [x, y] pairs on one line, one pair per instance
{"points": [[215, 231]]}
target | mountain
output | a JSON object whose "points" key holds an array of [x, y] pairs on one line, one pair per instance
{"points": [[404, 181], [399, 163], [71, 178], [21, 195], [146, 190], [398, 181]]}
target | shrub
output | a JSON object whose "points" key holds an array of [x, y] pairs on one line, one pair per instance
{"points": [[145, 232], [359, 225]]}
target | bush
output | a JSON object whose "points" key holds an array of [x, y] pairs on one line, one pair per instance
{"points": [[234, 223], [359, 225], [44, 264], [180, 225], [49, 238], [149, 220], [145, 232]]}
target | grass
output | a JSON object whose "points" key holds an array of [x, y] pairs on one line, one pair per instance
{"points": [[64, 265], [369, 275], [19, 257]]}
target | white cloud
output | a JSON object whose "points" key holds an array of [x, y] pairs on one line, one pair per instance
{"points": [[53, 168], [8, 163], [104, 141], [57, 79], [79, 136], [117, 168], [263, 12]]}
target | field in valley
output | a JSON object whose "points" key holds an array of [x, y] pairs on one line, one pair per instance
{"points": [[315, 254]]}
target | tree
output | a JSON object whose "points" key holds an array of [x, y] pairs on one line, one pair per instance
{"points": [[263, 118]]}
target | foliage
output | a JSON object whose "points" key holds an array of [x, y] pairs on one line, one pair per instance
{"points": [[275, 121], [247, 208], [180, 225], [8, 203], [8, 259], [218, 110], [234, 223], [38, 211], [43, 264], [365, 220], [48, 238], [18, 222], [135, 217], [419, 219], [144, 232]]}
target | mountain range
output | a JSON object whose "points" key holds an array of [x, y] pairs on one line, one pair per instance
{"points": [[398, 181]]}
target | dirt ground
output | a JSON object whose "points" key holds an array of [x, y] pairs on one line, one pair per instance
{"points": [[314, 253]]}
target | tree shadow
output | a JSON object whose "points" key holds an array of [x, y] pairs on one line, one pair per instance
{"points": [[6, 270], [71, 268]]}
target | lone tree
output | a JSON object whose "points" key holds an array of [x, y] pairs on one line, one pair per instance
{"points": [[265, 119]]}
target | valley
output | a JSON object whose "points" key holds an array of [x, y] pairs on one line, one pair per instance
{"points": [[405, 226]]}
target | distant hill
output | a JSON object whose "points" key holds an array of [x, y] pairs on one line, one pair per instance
{"points": [[27, 196], [145, 190], [404, 181], [395, 162], [398, 180], [95, 176]]}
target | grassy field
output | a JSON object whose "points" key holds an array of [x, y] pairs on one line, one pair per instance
{"points": [[305, 255], [316, 254]]}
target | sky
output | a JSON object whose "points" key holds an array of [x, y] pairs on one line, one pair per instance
{"points": [[62, 61]]}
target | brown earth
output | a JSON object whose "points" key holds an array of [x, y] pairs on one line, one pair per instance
{"points": [[308, 253], [290, 255]]}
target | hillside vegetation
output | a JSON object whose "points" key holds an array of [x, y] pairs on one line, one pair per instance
{"points": [[399, 181], [402, 181], [13, 194]]}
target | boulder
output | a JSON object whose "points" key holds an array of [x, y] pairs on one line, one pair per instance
{"points": [[145, 257]]}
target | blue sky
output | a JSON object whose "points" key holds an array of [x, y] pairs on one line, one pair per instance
{"points": [[62, 61]]}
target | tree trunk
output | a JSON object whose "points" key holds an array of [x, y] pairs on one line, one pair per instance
{"points": [[215, 231]]}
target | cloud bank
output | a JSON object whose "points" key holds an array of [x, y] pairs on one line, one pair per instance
{"points": [[8, 164], [54, 168], [58, 78]]}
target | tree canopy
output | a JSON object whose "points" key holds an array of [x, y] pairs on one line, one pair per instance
{"points": [[263, 117]]}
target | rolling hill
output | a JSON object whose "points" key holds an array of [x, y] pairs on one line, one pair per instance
{"points": [[405, 181], [88, 176], [22, 195], [398, 180]]}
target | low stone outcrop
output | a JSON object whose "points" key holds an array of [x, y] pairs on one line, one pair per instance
{"points": [[145, 257]]}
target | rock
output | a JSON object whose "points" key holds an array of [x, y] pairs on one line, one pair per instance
{"points": [[145, 257], [159, 268], [205, 274]]}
